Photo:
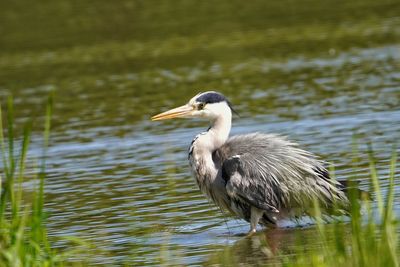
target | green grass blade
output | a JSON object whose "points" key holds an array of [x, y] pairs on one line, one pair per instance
{"points": [[10, 122], [375, 182], [2, 143], [390, 194], [37, 227], [5, 167], [389, 233], [22, 159]]}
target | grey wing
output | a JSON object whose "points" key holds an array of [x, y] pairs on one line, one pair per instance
{"points": [[271, 173], [240, 186]]}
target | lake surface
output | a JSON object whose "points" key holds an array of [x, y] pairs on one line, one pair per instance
{"points": [[322, 73]]}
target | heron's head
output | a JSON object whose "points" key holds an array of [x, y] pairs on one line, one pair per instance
{"points": [[210, 105]]}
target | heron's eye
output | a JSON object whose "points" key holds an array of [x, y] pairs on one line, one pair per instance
{"points": [[200, 106]]}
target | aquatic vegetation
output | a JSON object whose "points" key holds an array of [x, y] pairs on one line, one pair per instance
{"points": [[23, 234]]}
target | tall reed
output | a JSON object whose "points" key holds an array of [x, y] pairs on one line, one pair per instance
{"points": [[23, 235]]}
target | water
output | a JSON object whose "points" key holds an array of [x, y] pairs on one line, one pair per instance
{"points": [[320, 73]]}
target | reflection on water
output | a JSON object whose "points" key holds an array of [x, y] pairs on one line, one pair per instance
{"points": [[123, 183]]}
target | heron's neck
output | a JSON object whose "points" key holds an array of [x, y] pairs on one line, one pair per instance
{"points": [[201, 159], [216, 135]]}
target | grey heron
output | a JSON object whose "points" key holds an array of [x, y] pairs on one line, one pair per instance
{"points": [[262, 178]]}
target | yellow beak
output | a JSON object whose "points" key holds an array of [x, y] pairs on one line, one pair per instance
{"points": [[179, 112]]}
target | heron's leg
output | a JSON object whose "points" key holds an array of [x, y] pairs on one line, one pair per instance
{"points": [[256, 215]]}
